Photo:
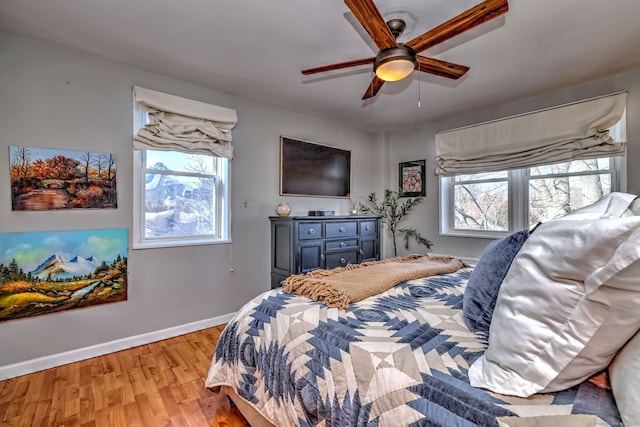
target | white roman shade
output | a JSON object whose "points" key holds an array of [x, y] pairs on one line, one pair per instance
{"points": [[180, 124], [570, 132]]}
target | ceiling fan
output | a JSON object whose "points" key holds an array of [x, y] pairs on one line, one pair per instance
{"points": [[396, 61]]}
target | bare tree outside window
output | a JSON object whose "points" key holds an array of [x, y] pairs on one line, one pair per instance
{"points": [[559, 189], [481, 201]]}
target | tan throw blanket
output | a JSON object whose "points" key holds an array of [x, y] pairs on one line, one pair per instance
{"points": [[343, 285]]}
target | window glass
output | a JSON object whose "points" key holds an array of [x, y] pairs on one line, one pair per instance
{"points": [[178, 206], [182, 199], [481, 205], [481, 176], [180, 162], [573, 166], [566, 187], [495, 203]]}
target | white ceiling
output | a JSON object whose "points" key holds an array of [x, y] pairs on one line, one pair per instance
{"points": [[256, 48]]}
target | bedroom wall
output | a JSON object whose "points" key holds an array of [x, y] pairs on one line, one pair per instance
{"points": [[419, 143], [58, 98]]}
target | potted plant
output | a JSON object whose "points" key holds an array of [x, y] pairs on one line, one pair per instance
{"points": [[392, 211]]}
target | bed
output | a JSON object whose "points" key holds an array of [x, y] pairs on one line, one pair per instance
{"points": [[412, 355]]}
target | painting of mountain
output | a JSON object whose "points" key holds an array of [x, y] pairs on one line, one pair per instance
{"points": [[57, 268], [49, 271]]}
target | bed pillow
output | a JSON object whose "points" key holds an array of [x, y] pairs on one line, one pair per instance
{"points": [[481, 292], [619, 279], [613, 205], [567, 305], [634, 207], [624, 373]]}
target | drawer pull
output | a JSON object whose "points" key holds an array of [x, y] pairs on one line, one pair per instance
{"points": [[343, 261], [341, 229], [361, 252], [312, 231], [322, 257], [342, 244], [368, 227]]}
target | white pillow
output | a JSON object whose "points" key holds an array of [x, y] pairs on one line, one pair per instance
{"points": [[634, 207], [620, 279], [613, 205], [546, 317], [622, 270], [624, 373]]}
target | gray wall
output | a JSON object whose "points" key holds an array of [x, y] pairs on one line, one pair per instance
{"points": [[57, 98], [419, 143]]}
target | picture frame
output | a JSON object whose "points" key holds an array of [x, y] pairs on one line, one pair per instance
{"points": [[45, 179], [412, 179], [62, 270]]}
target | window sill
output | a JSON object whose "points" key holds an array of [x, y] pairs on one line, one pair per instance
{"points": [[178, 243], [476, 234]]}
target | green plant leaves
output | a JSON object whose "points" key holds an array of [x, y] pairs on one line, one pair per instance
{"points": [[392, 211]]}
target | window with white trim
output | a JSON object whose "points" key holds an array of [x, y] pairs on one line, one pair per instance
{"points": [[182, 155], [181, 199], [494, 204]]}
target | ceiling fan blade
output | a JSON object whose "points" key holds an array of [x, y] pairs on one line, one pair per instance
{"points": [[371, 19], [465, 21], [373, 88], [339, 65], [441, 68]]}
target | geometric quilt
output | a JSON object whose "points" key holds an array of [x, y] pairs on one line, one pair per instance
{"points": [[399, 358]]}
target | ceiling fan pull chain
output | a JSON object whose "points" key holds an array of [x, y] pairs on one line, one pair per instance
{"points": [[419, 81], [371, 96]]}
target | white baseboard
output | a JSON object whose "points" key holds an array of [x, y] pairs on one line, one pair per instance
{"points": [[46, 362]]}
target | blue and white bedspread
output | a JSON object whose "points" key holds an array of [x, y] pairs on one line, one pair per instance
{"points": [[399, 358]]}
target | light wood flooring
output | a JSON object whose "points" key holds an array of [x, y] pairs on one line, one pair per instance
{"points": [[158, 384]]}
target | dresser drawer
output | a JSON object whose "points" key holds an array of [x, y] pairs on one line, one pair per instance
{"points": [[368, 228], [332, 245], [310, 230], [341, 229], [341, 259]]}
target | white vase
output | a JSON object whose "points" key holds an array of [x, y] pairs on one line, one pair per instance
{"points": [[283, 209]]}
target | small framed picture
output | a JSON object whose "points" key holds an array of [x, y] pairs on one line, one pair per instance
{"points": [[411, 179]]}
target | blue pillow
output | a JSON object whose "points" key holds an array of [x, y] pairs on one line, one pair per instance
{"points": [[484, 283]]}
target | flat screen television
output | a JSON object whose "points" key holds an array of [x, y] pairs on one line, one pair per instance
{"points": [[312, 169]]}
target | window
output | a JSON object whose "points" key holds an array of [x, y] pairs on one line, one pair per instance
{"points": [[182, 199], [481, 201], [493, 204], [556, 190], [509, 174], [182, 152]]}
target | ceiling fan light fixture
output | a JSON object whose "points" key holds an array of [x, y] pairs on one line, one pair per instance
{"points": [[395, 63]]}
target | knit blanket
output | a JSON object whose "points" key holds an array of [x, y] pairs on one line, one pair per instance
{"points": [[344, 285]]}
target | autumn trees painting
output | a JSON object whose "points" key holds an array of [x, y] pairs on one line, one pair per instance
{"points": [[46, 179]]}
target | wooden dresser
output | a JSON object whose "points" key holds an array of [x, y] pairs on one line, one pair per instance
{"points": [[300, 244]]}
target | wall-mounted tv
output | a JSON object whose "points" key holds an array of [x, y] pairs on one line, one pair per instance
{"points": [[312, 169]]}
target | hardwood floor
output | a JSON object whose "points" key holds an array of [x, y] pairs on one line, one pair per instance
{"points": [[158, 384]]}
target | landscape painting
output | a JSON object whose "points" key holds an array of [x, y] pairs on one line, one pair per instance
{"points": [[50, 271], [48, 179]]}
